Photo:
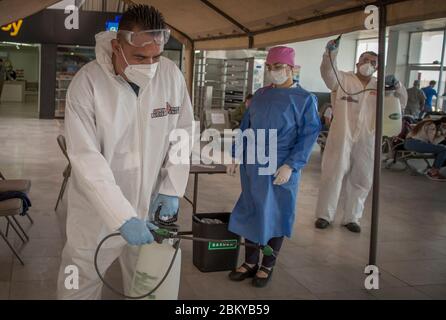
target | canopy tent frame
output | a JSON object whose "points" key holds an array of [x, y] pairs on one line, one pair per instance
{"points": [[294, 23], [340, 20], [382, 6], [318, 19], [376, 188], [247, 32]]}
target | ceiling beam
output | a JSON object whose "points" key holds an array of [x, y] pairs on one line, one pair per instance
{"points": [[303, 21], [231, 20], [327, 16], [180, 33]]}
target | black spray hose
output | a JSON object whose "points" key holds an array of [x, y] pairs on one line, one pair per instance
{"points": [[337, 77], [117, 291], [161, 234]]}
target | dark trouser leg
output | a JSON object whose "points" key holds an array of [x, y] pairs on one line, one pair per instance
{"points": [[252, 254], [276, 244], [424, 147]]}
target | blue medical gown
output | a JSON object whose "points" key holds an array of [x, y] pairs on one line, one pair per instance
{"points": [[264, 210]]}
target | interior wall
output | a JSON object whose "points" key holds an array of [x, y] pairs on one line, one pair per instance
{"points": [[397, 55], [308, 56]]}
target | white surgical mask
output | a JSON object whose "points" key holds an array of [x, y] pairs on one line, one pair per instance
{"points": [[139, 74], [279, 77], [367, 69]]}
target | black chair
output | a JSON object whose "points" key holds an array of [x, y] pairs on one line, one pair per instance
{"points": [[21, 185], [9, 209]]}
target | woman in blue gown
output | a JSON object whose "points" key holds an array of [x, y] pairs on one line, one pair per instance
{"points": [[265, 211]]}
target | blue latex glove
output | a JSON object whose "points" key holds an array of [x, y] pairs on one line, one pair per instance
{"points": [[169, 206], [136, 232]]}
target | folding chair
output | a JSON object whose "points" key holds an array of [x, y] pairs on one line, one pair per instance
{"points": [[395, 148], [21, 185], [9, 209], [67, 172]]}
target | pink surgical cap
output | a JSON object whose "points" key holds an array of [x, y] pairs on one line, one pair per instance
{"points": [[281, 54]]}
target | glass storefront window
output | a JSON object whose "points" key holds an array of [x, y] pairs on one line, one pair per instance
{"points": [[425, 76], [426, 47], [371, 44], [69, 60], [367, 45], [425, 62]]}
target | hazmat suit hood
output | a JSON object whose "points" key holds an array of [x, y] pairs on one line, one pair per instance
{"points": [[104, 51]]}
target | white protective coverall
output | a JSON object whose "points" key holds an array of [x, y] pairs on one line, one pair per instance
{"points": [[349, 151], [118, 146]]}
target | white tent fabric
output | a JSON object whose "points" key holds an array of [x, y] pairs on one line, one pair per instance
{"points": [[229, 24], [235, 24]]}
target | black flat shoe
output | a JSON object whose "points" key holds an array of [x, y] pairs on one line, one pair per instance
{"points": [[240, 276], [262, 282], [353, 227], [321, 223]]}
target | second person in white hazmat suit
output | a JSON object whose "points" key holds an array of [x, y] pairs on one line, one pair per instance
{"points": [[349, 152], [120, 111]]}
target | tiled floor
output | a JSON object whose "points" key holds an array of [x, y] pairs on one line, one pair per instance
{"points": [[314, 264], [27, 109]]}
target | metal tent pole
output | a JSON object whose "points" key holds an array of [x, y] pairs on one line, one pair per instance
{"points": [[378, 133], [441, 88]]}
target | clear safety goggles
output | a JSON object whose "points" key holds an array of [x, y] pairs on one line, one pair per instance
{"points": [[142, 38]]}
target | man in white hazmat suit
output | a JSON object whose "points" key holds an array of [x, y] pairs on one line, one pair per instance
{"points": [[349, 153], [120, 111]]}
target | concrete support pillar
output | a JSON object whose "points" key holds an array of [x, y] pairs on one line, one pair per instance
{"points": [[397, 55], [48, 57]]}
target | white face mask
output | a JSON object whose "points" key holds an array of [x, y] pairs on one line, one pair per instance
{"points": [[278, 77], [367, 69], [139, 74]]}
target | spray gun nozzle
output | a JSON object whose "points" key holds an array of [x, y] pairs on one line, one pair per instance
{"points": [[162, 232]]}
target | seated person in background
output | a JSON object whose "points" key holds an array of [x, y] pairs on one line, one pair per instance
{"points": [[237, 114], [425, 138], [441, 126], [415, 100], [408, 124]]}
